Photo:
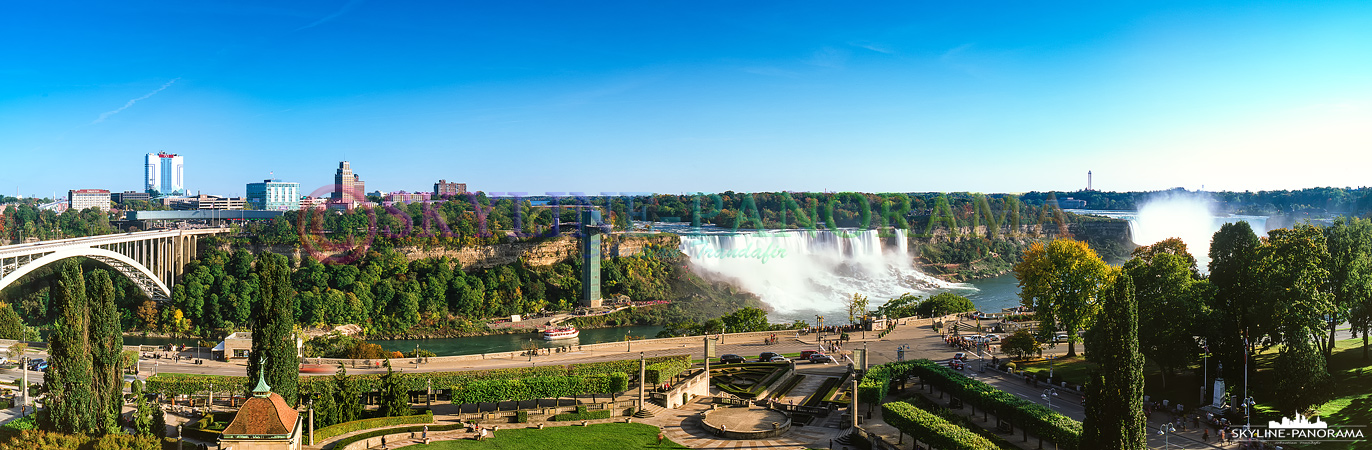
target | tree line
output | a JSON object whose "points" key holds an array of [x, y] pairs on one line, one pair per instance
{"points": [[1290, 290]]}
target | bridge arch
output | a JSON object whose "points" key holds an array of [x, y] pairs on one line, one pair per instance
{"points": [[146, 281]]}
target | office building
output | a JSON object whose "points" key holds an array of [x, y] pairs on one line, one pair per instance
{"points": [[348, 187], [121, 197], [274, 195], [444, 188], [204, 202], [81, 199]]}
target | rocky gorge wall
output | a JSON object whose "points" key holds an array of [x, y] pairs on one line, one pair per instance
{"points": [[538, 252]]}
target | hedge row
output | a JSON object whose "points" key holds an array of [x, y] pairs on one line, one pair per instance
{"points": [[932, 429], [534, 388], [374, 433], [185, 384], [589, 415], [367, 424], [1031, 416], [660, 372]]}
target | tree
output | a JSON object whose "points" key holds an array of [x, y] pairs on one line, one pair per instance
{"points": [[1350, 273], [1169, 307], [325, 405], [1114, 412], [11, 326], [857, 307], [943, 304], [1060, 281], [1021, 343], [1236, 303], [395, 396], [1298, 302], [273, 325], [1303, 379], [349, 393], [107, 346], [69, 378], [904, 306], [148, 314], [747, 319], [142, 414]]}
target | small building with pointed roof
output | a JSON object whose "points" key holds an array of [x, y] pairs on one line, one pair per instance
{"points": [[265, 422]]}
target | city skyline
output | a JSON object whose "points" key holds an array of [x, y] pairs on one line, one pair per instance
{"points": [[707, 97]]}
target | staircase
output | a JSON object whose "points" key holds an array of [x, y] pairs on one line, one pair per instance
{"points": [[649, 409]]}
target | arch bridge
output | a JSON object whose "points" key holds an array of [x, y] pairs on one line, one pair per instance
{"points": [[150, 259]]}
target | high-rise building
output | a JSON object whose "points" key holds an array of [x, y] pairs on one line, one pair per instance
{"points": [[445, 188], [274, 195], [81, 199], [173, 181], [348, 187], [151, 169]]}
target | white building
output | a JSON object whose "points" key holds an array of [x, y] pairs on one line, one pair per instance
{"points": [[173, 180], [274, 195], [80, 199]]}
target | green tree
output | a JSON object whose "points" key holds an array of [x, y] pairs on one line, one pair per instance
{"points": [[1169, 309], [11, 326], [395, 396], [944, 303], [903, 306], [1235, 308], [1298, 301], [348, 396], [1114, 409], [1350, 273], [1021, 343], [107, 347], [1303, 380], [325, 405], [69, 378], [273, 324], [747, 319], [1060, 281], [857, 307]]}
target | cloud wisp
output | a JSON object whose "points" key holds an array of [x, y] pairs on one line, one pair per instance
{"points": [[341, 11], [107, 114]]}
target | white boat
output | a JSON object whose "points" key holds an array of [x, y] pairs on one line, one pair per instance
{"points": [[567, 332]]}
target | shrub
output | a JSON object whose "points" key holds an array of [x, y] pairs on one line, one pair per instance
{"points": [[365, 424], [582, 414], [932, 429]]}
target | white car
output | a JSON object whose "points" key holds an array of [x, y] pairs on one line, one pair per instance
{"points": [[779, 358]]}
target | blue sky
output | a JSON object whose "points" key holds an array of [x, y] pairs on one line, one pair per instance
{"points": [[676, 97]]}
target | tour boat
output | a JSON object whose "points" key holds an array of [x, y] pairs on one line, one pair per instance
{"points": [[567, 332]]}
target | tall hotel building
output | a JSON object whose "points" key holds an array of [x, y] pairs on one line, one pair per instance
{"points": [[348, 187], [164, 172]]}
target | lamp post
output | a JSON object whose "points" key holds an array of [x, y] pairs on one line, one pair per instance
{"points": [[1166, 430], [1248, 404], [819, 335], [1048, 395], [1205, 368]]}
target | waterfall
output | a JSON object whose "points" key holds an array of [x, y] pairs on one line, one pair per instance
{"points": [[799, 273], [1189, 218]]}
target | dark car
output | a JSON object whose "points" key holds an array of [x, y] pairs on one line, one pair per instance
{"points": [[731, 359], [33, 364], [959, 356], [959, 365], [767, 356], [821, 358]]}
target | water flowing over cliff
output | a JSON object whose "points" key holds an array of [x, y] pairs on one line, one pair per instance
{"points": [[804, 272]]}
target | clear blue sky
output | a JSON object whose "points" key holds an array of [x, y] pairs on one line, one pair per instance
{"points": [[669, 97]]}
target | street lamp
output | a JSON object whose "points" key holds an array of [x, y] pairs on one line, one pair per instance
{"points": [[1166, 431], [1248, 404], [1048, 395]]}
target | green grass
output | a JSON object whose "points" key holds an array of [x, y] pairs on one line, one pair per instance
{"points": [[600, 436]]}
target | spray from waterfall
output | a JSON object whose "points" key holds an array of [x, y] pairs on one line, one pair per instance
{"points": [[1189, 216], [800, 273]]}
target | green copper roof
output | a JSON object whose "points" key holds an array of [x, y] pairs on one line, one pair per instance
{"points": [[262, 389]]}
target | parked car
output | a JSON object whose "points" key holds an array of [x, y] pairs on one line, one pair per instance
{"points": [[959, 356], [33, 363], [42, 367], [992, 337], [767, 356], [778, 358], [806, 354], [731, 359], [1060, 337], [821, 358]]}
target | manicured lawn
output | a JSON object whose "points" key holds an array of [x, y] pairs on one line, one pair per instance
{"points": [[601, 436]]}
